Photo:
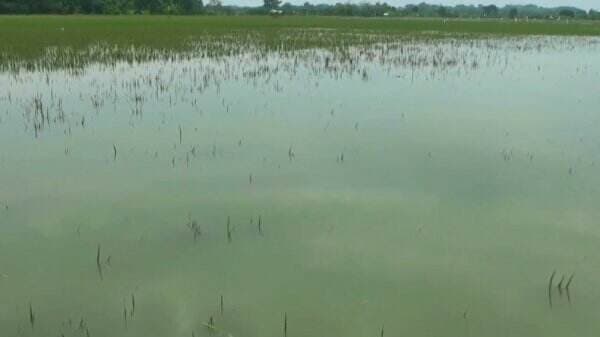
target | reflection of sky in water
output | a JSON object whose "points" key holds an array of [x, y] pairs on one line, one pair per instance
{"points": [[461, 190]]}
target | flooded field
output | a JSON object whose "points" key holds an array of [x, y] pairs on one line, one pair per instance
{"points": [[400, 187]]}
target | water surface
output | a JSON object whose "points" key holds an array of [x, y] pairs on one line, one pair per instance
{"points": [[427, 187]]}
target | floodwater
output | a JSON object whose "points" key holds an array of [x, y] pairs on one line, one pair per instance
{"points": [[426, 189]]}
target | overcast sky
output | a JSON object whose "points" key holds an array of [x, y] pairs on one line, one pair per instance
{"points": [[584, 4]]}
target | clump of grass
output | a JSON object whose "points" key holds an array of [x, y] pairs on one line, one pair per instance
{"points": [[222, 308], [194, 228], [567, 287], [210, 325], [569, 281], [285, 324], [260, 231], [465, 318], [99, 263], [229, 229], [31, 316], [550, 287], [559, 286]]}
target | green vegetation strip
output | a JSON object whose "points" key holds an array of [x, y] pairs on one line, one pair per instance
{"points": [[27, 37]]}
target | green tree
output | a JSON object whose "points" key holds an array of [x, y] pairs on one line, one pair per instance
{"points": [[442, 12], [513, 13], [271, 4], [190, 6], [117, 6], [490, 11], [92, 6], [155, 6], [566, 13]]}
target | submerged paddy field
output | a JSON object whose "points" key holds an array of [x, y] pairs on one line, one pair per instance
{"points": [[26, 37], [225, 176]]}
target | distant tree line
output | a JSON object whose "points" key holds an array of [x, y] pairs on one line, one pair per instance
{"points": [[101, 6], [188, 7]]}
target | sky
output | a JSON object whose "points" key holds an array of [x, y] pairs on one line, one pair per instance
{"points": [[583, 4]]}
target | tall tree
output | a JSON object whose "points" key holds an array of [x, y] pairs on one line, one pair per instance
{"points": [[190, 6], [490, 11], [442, 12], [271, 4], [566, 13]]}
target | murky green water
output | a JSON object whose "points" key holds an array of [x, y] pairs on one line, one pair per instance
{"points": [[430, 189]]}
